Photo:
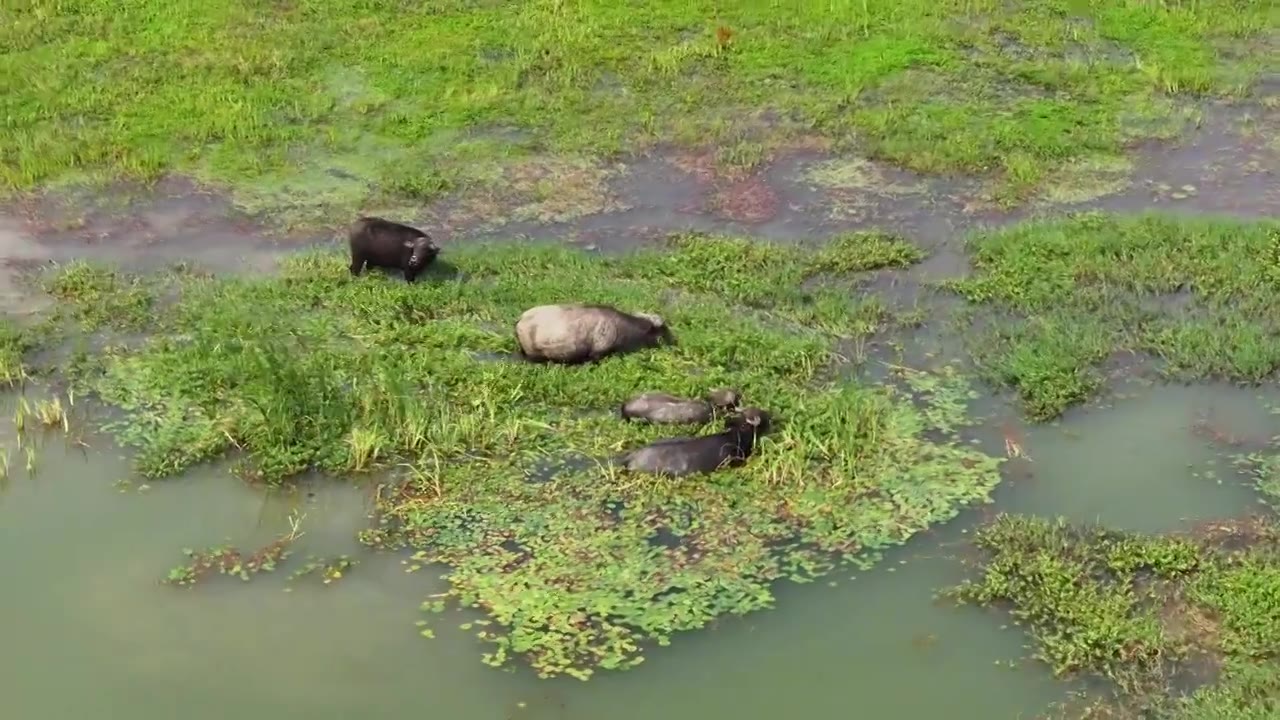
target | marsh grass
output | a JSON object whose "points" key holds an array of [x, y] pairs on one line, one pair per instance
{"points": [[313, 104], [14, 345], [502, 468], [1199, 295], [102, 297], [1184, 625], [47, 413]]}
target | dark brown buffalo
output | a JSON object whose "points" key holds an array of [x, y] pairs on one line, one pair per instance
{"points": [[703, 454], [382, 243]]}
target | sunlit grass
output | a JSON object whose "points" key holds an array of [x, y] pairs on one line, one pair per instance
{"points": [[1183, 625], [1197, 294], [312, 103], [504, 466]]}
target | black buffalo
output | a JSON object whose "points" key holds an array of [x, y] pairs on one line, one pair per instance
{"points": [[702, 454], [382, 243]]}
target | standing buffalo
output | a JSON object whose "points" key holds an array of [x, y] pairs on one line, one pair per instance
{"points": [[668, 409], [704, 454], [579, 333], [382, 243]]}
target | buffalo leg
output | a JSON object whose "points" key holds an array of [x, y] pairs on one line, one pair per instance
{"points": [[357, 263]]}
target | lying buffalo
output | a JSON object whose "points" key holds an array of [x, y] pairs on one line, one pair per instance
{"points": [[382, 243], [703, 454], [662, 408], [580, 333]]}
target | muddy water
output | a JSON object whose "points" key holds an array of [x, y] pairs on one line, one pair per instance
{"points": [[1158, 459], [88, 626]]}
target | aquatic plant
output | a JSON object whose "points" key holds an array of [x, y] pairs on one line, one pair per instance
{"points": [[228, 560], [329, 570], [507, 481], [1154, 614], [1056, 299]]}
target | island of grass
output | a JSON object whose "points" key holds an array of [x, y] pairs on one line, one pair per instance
{"points": [[1054, 301], [507, 481], [321, 108], [1185, 626]]}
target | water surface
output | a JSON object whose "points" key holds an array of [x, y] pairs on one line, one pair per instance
{"points": [[88, 625]]}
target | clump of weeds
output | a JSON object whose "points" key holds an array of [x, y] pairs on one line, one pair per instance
{"points": [[1053, 300], [316, 369], [15, 343], [329, 570], [300, 108], [43, 413], [1185, 625], [98, 297], [232, 561], [228, 560]]}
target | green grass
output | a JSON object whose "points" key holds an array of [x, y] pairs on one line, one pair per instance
{"points": [[1055, 299], [499, 461], [1153, 614], [14, 345], [406, 103]]}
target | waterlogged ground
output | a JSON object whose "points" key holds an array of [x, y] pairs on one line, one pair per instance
{"points": [[87, 590], [885, 237]]}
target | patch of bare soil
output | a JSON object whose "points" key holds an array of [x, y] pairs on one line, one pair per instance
{"points": [[543, 191], [750, 200]]}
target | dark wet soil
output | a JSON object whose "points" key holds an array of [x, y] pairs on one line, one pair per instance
{"points": [[1229, 164]]}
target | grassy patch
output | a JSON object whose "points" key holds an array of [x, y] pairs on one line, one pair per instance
{"points": [[503, 464], [1157, 615], [331, 104], [1199, 294], [98, 297], [15, 342]]}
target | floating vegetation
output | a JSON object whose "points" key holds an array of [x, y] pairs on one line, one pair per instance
{"points": [[317, 369], [329, 570], [228, 560], [47, 413]]}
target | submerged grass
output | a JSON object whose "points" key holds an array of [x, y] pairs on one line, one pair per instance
{"points": [[1069, 294], [1185, 625], [505, 475], [327, 102], [15, 343]]}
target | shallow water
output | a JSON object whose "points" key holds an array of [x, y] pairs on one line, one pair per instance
{"points": [[1147, 463], [88, 626]]}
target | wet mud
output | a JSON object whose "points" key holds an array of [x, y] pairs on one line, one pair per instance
{"points": [[1228, 164]]}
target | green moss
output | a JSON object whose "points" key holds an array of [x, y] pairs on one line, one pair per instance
{"points": [[1149, 613], [329, 104], [1198, 294], [508, 480]]}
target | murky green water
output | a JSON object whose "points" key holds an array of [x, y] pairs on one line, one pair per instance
{"points": [[88, 626]]}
